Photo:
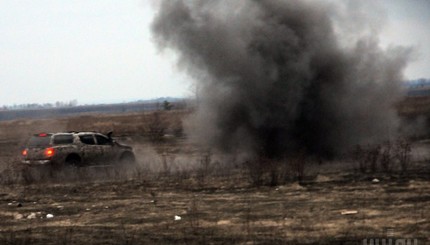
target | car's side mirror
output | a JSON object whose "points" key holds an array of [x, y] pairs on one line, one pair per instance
{"points": [[111, 141]]}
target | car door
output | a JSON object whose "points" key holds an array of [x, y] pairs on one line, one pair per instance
{"points": [[108, 154], [91, 152]]}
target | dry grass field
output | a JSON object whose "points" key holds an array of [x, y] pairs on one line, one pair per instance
{"points": [[177, 194]]}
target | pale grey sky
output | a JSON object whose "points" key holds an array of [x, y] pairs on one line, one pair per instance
{"points": [[101, 50]]}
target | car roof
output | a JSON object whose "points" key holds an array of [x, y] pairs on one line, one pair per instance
{"points": [[69, 133]]}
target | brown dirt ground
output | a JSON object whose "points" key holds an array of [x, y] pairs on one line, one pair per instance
{"points": [[220, 206]]}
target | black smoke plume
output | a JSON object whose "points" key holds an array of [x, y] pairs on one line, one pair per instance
{"points": [[280, 76]]}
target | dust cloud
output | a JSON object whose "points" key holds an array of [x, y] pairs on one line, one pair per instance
{"points": [[278, 77]]}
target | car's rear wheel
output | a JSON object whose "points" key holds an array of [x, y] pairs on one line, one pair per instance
{"points": [[73, 161]]}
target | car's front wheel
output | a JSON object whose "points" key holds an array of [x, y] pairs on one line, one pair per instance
{"points": [[127, 158]]}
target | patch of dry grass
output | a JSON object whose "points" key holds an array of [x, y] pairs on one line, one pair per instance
{"points": [[296, 201]]}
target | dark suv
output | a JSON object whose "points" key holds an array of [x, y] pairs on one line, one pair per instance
{"points": [[75, 149]]}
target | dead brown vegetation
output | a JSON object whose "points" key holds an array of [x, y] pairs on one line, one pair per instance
{"points": [[179, 193], [386, 157]]}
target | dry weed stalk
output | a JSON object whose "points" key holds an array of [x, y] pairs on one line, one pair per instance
{"points": [[204, 167], [403, 154], [298, 163], [256, 169], [386, 157], [194, 214]]}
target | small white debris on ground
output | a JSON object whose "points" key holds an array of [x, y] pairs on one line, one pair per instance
{"points": [[177, 218], [18, 216], [31, 216], [348, 212], [49, 216]]}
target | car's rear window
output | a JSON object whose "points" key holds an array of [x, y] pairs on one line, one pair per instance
{"points": [[63, 139], [39, 141]]}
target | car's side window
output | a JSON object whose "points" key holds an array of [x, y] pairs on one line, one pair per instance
{"points": [[87, 139], [102, 140], [63, 139]]}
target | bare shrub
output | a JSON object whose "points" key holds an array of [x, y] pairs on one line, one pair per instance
{"points": [[256, 169], [359, 156], [297, 164], [248, 217], [10, 174], [387, 155], [194, 214], [166, 166], [386, 158], [367, 157], [276, 171], [140, 172], [204, 167], [372, 157], [156, 127], [29, 176], [178, 130], [402, 154], [265, 171]]}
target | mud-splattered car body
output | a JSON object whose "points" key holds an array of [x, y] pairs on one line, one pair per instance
{"points": [[75, 149]]}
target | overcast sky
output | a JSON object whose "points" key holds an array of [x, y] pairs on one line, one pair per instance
{"points": [[101, 51]]}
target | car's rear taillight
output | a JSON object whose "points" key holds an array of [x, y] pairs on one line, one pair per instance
{"points": [[49, 152], [24, 152]]}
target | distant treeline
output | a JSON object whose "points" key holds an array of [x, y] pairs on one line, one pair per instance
{"points": [[32, 106], [418, 88], [51, 112]]}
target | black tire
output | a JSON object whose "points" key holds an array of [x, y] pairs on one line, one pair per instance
{"points": [[127, 158], [73, 161]]}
